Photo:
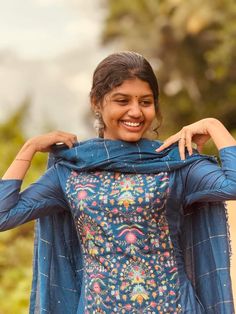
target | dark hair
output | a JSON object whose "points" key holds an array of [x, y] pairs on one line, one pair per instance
{"points": [[112, 71]]}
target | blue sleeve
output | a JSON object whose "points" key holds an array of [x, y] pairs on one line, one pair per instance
{"points": [[207, 181], [41, 198]]}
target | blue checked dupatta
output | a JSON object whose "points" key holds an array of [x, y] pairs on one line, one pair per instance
{"points": [[56, 285]]}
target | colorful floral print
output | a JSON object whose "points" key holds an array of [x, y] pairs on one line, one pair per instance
{"points": [[128, 254]]}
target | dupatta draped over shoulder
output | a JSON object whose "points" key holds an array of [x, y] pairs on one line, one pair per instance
{"points": [[56, 285]]}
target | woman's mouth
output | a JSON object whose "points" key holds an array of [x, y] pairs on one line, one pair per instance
{"points": [[132, 126]]}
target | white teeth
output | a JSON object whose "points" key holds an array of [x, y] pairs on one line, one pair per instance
{"points": [[131, 123]]}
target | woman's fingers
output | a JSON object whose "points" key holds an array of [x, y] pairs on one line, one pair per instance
{"points": [[193, 133], [168, 142], [181, 144], [44, 143], [184, 139], [188, 142], [67, 138]]}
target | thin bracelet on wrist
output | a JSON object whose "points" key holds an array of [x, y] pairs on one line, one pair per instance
{"points": [[22, 159]]}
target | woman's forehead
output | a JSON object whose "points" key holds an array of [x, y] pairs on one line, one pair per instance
{"points": [[132, 87]]}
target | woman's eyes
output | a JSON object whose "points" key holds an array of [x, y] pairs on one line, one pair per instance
{"points": [[122, 101], [144, 103]]}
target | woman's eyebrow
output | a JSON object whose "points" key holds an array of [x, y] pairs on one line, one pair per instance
{"points": [[148, 95], [128, 95], [119, 94]]}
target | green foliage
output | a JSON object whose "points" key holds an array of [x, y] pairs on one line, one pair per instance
{"points": [[191, 45], [16, 245]]}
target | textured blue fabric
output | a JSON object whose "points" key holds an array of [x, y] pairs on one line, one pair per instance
{"points": [[135, 157], [209, 272], [58, 265]]}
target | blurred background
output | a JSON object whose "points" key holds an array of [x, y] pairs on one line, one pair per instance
{"points": [[48, 51]]}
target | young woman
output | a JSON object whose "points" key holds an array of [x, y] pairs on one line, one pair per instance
{"points": [[127, 224]]}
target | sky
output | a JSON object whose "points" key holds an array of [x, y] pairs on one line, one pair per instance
{"points": [[48, 51]]}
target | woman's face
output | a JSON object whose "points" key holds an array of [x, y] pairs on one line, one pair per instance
{"points": [[128, 111]]}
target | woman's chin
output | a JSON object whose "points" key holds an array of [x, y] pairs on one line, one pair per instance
{"points": [[124, 135], [131, 137]]}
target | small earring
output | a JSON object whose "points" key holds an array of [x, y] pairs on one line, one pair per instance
{"points": [[99, 124]]}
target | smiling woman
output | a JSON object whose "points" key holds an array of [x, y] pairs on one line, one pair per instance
{"points": [[127, 224]]}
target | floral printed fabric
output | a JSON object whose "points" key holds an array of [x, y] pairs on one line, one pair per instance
{"points": [[127, 251]]}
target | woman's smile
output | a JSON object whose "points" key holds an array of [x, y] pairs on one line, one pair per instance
{"points": [[132, 126]]}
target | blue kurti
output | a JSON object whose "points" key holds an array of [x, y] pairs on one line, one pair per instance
{"points": [[129, 226]]}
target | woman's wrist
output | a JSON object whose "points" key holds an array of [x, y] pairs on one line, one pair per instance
{"points": [[27, 151], [21, 162], [212, 125], [219, 134]]}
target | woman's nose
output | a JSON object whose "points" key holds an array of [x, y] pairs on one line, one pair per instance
{"points": [[135, 110]]}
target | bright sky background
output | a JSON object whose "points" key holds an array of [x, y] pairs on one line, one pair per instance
{"points": [[48, 51], [45, 28]]}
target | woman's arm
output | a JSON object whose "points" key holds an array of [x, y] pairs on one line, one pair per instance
{"points": [[42, 198], [204, 180], [200, 132], [42, 143]]}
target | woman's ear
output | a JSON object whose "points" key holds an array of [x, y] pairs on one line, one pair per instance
{"points": [[95, 106]]}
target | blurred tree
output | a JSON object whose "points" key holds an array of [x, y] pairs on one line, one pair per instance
{"points": [[16, 245], [192, 47]]}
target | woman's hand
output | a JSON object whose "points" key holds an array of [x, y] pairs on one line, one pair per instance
{"points": [[43, 143], [199, 133]]}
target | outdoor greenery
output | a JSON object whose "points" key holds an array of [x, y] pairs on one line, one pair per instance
{"points": [[192, 47]]}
